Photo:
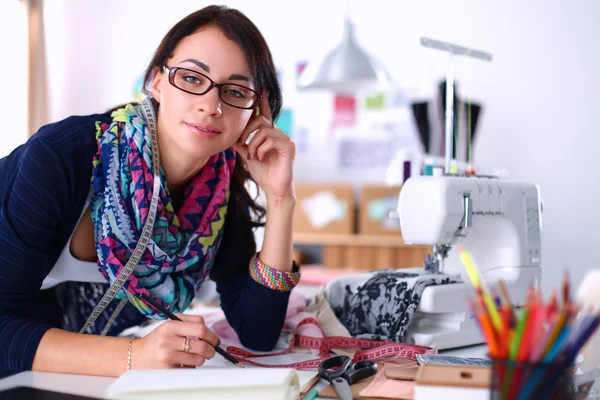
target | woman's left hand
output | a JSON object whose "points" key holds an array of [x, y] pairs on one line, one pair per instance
{"points": [[269, 156]]}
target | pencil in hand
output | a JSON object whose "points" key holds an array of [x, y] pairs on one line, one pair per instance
{"points": [[174, 317]]}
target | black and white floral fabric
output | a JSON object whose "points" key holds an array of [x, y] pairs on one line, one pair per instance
{"points": [[380, 305]]}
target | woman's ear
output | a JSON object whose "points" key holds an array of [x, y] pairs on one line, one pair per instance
{"points": [[155, 87]]}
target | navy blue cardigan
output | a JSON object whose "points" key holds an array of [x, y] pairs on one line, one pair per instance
{"points": [[44, 185]]}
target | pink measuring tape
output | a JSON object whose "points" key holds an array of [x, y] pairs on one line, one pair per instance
{"points": [[373, 350]]}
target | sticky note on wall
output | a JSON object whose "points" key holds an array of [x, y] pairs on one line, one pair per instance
{"points": [[375, 102], [300, 67], [285, 121], [344, 110]]}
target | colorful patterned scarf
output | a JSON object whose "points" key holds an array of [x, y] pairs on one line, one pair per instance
{"points": [[184, 244]]}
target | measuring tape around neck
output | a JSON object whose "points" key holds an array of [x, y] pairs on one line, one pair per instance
{"points": [[142, 244]]}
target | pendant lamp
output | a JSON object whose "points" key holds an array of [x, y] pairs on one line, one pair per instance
{"points": [[346, 69]]}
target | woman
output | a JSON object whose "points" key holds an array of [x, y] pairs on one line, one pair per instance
{"points": [[77, 195]]}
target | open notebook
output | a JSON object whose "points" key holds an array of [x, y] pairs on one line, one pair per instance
{"points": [[212, 383]]}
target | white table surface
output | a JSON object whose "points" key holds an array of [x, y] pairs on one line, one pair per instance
{"points": [[95, 386], [92, 386]]}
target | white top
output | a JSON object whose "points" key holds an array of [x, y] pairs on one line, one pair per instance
{"points": [[68, 268]]}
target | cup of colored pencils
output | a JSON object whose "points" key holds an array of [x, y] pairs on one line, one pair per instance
{"points": [[532, 350]]}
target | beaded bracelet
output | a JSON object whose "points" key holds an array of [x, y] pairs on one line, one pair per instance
{"points": [[129, 346], [272, 278]]}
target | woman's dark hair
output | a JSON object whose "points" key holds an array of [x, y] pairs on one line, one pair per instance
{"points": [[237, 27]]}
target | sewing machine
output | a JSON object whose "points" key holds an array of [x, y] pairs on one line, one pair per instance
{"points": [[497, 221]]}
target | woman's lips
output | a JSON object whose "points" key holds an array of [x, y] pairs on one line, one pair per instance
{"points": [[203, 130]]}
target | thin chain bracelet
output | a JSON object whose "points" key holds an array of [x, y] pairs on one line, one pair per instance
{"points": [[129, 347]]}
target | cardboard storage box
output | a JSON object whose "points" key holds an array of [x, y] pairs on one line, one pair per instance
{"points": [[324, 208], [376, 204]]}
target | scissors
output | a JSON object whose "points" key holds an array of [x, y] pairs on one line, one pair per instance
{"points": [[346, 373]]}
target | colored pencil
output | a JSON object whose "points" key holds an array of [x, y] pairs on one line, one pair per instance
{"points": [[486, 326], [542, 333], [474, 275]]}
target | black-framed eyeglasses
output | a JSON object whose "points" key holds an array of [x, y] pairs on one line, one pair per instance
{"points": [[197, 83]]}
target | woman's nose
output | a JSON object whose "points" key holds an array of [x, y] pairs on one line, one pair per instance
{"points": [[210, 102]]}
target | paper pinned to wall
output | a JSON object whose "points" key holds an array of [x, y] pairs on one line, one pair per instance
{"points": [[362, 152], [323, 208], [344, 111], [300, 67], [375, 102]]}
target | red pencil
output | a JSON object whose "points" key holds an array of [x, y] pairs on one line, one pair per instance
{"points": [[565, 288], [552, 307], [524, 345], [528, 333], [508, 300]]}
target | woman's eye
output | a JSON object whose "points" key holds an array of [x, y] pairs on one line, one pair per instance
{"points": [[236, 93], [192, 79]]}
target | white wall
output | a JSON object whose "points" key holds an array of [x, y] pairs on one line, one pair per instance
{"points": [[540, 92], [13, 75]]}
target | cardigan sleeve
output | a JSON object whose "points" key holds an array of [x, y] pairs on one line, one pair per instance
{"points": [[255, 312], [34, 198]]}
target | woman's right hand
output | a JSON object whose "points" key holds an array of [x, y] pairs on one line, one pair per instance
{"points": [[164, 346]]}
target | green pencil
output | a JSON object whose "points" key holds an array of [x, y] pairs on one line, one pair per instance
{"points": [[311, 395]]}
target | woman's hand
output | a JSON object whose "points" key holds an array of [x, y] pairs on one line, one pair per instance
{"points": [[164, 347], [269, 156]]}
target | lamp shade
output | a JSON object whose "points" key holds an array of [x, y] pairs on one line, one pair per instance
{"points": [[347, 68]]}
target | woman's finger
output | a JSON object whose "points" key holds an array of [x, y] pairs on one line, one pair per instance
{"points": [[191, 329], [280, 144], [197, 319], [265, 147], [202, 348], [256, 141], [188, 359], [260, 121], [265, 108], [196, 346]]}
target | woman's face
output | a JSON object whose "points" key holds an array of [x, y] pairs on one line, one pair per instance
{"points": [[202, 125]]}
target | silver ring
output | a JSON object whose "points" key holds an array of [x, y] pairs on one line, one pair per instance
{"points": [[186, 345]]}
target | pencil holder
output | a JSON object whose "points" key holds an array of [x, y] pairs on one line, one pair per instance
{"points": [[513, 380]]}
